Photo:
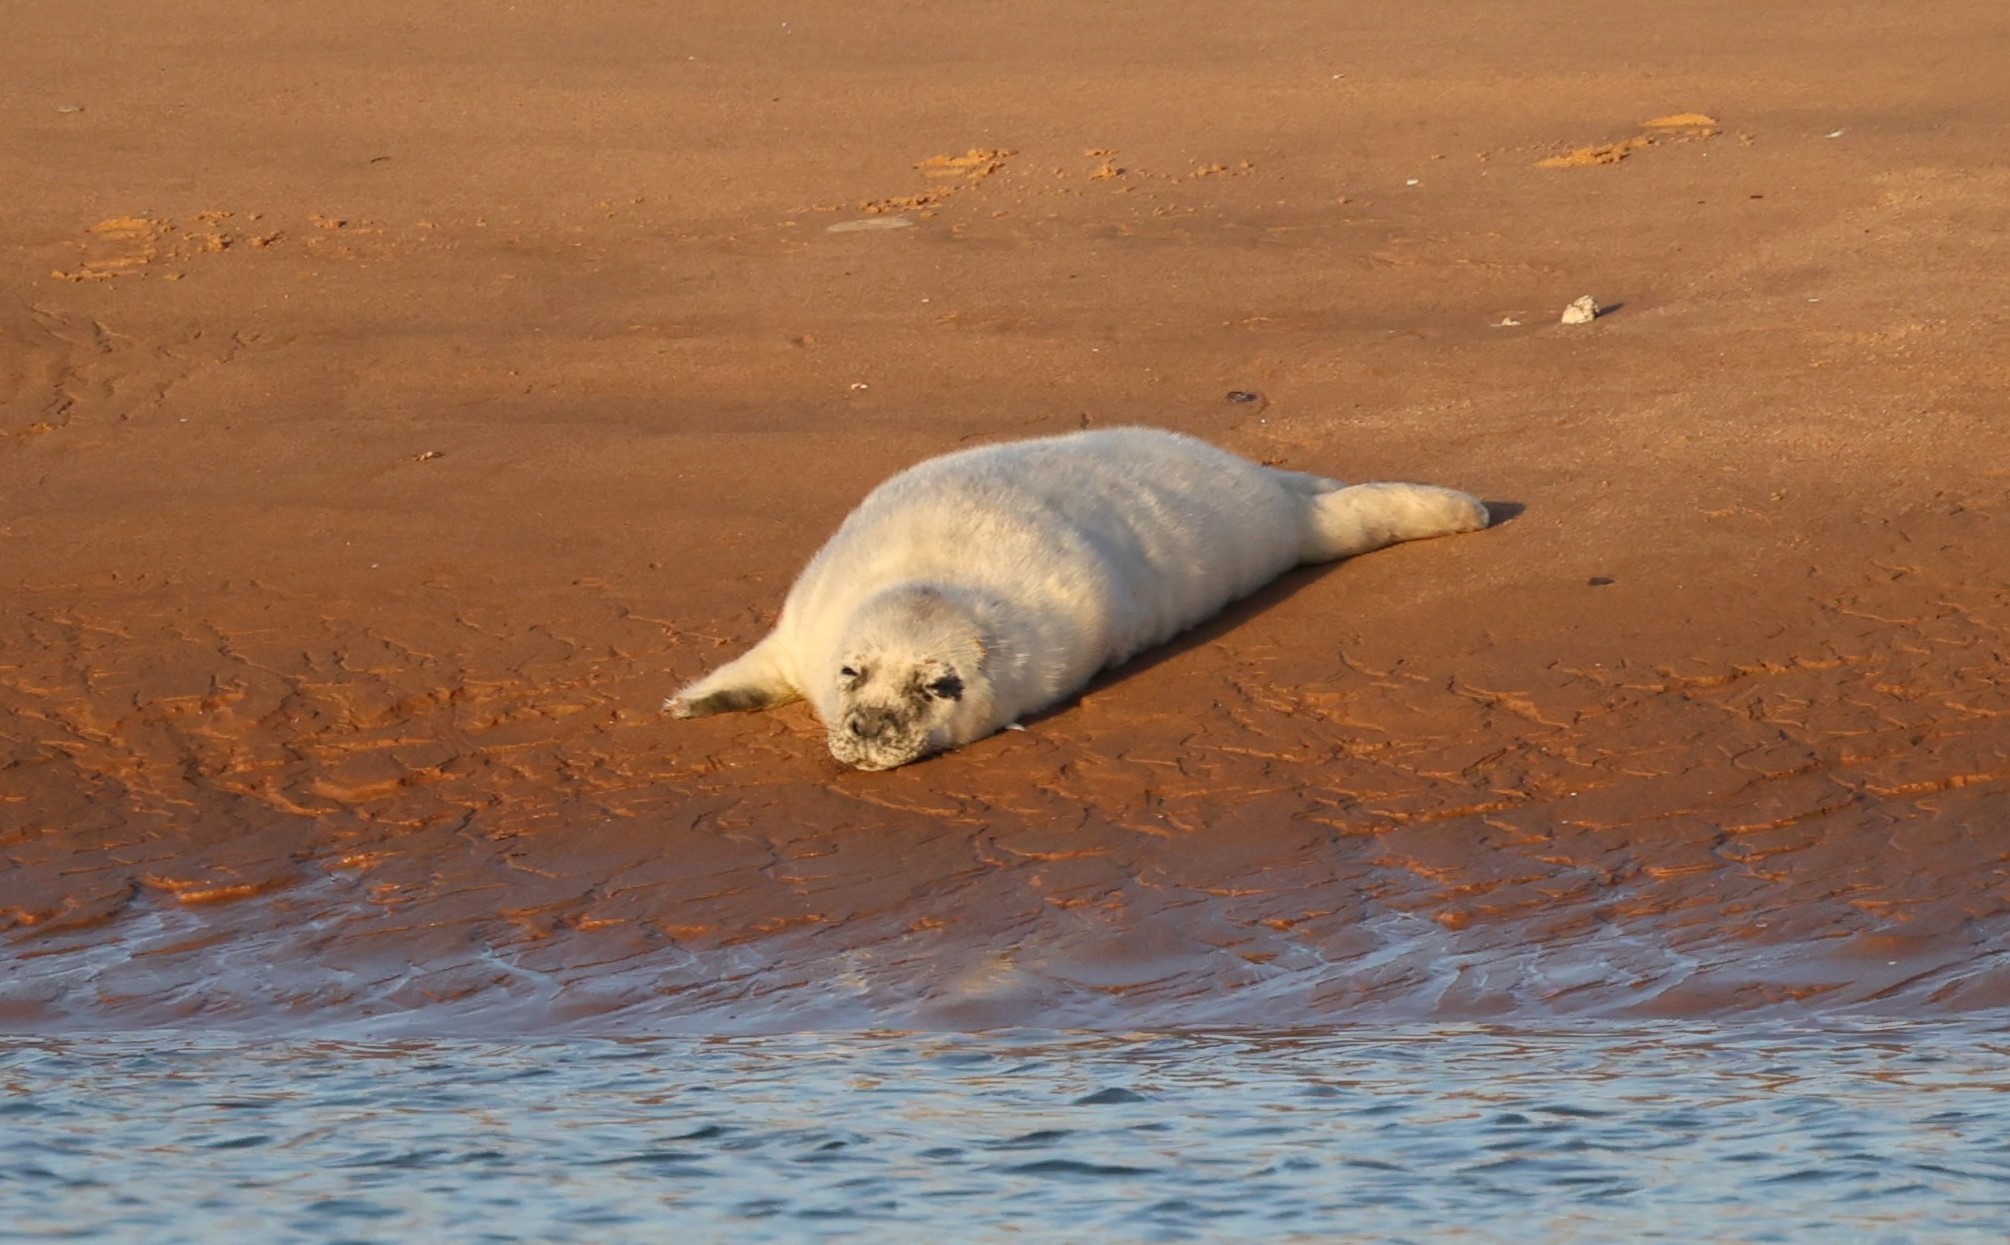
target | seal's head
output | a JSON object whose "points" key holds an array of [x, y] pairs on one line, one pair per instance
{"points": [[908, 680]]}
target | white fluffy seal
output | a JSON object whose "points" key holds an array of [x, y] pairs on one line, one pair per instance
{"points": [[977, 587]]}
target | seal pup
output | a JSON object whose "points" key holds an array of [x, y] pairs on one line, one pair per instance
{"points": [[974, 588]]}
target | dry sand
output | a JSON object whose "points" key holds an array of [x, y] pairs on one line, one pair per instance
{"points": [[396, 402]]}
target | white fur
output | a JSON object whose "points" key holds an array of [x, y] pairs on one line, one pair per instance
{"points": [[1018, 571]]}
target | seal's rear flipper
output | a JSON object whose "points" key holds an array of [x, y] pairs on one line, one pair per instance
{"points": [[1365, 517], [752, 681]]}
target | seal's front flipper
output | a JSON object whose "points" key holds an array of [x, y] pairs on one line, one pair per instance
{"points": [[1365, 517], [753, 681]]}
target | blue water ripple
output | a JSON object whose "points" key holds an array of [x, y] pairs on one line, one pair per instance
{"points": [[1670, 1132]]}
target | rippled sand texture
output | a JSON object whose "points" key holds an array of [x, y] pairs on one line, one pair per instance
{"points": [[388, 423]]}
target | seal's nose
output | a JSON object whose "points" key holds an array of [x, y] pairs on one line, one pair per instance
{"points": [[869, 724]]}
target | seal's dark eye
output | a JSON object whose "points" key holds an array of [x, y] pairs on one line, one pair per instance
{"points": [[849, 672], [948, 687]]}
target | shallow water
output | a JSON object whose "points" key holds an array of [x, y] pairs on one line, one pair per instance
{"points": [[1888, 1132]]}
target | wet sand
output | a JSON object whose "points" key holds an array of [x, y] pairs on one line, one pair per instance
{"points": [[395, 406]]}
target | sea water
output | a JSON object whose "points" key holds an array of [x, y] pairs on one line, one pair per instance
{"points": [[1679, 1131]]}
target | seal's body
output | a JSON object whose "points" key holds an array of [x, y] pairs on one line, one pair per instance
{"points": [[987, 584]]}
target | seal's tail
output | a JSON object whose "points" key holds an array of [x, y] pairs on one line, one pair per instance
{"points": [[1363, 517], [754, 680]]}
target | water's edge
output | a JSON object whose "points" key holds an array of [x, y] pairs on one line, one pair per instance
{"points": [[1888, 1131]]}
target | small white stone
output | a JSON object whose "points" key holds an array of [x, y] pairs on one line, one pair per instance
{"points": [[1581, 311], [870, 224]]}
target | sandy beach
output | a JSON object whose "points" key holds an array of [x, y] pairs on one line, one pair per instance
{"points": [[396, 404]]}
